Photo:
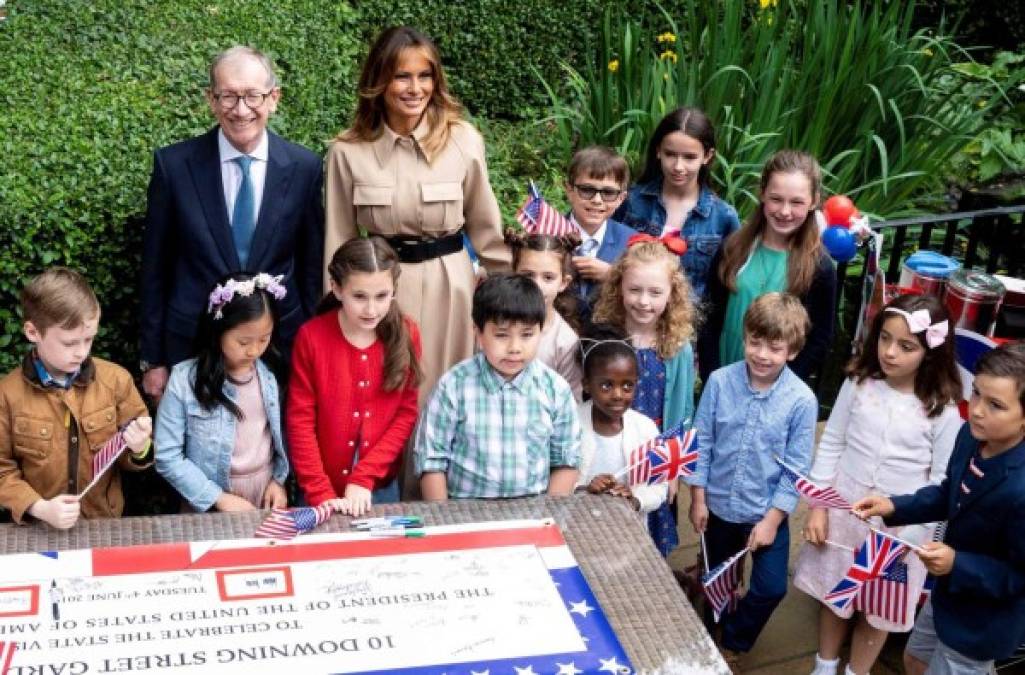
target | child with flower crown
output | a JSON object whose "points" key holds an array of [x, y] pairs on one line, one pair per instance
{"points": [[218, 432]]}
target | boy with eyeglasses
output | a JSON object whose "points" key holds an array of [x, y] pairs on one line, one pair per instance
{"points": [[596, 185]]}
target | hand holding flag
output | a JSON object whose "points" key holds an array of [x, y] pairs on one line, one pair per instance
{"points": [[722, 585], [134, 434]]}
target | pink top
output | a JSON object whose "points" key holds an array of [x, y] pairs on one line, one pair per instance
{"points": [[251, 462]]}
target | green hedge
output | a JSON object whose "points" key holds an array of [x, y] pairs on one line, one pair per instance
{"points": [[89, 89]]}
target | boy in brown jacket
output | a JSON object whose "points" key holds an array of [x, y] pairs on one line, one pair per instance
{"points": [[61, 406]]}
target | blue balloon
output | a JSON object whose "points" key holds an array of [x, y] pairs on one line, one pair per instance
{"points": [[840, 243]]}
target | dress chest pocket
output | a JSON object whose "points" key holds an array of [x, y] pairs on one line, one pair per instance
{"points": [[33, 438], [374, 205], [202, 425], [99, 426], [442, 206]]}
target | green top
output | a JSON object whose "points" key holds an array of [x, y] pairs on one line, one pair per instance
{"points": [[765, 271]]}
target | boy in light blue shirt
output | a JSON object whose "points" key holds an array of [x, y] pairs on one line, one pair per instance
{"points": [[751, 411]]}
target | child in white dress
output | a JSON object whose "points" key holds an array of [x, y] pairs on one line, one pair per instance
{"points": [[891, 431]]}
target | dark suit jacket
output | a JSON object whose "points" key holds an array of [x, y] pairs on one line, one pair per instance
{"points": [[188, 243], [979, 608], [613, 244], [819, 300]]}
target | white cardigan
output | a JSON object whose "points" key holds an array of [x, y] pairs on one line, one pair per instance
{"points": [[637, 429]]}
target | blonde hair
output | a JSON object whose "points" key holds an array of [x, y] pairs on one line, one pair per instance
{"points": [[443, 110], [778, 316], [676, 325], [805, 244], [58, 297]]}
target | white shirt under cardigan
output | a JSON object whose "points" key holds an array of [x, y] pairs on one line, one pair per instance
{"points": [[637, 429], [883, 439], [231, 173]]}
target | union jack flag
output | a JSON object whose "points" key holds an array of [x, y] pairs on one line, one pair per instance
{"points": [[665, 457], [872, 559], [289, 523], [6, 656], [722, 585], [817, 495], [538, 217], [887, 596]]}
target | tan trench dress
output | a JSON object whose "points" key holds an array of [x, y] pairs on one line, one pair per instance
{"points": [[390, 187]]}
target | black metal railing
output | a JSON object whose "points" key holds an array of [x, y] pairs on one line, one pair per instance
{"points": [[991, 239]]}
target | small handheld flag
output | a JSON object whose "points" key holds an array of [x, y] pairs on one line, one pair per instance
{"points": [[107, 455], [817, 495], [289, 523], [887, 596], [873, 559], [538, 217], [722, 585], [665, 457]]}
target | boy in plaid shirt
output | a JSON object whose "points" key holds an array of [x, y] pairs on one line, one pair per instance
{"points": [[501, 423]]}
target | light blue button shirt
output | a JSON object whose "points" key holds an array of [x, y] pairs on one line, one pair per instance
{"points": [[740, 430]]}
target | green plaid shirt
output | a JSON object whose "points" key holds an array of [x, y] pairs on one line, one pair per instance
{"points": [[498, 438]]}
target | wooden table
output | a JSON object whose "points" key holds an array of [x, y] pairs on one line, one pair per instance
{"points": [[655, 623]]}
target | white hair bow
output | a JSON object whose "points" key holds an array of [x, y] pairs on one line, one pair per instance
{"points": [[919, 320]]}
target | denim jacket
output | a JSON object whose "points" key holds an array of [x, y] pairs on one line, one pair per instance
{"points": [[194, 445], [708, 223]]}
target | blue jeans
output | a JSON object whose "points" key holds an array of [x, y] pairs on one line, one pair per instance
{"points": [[741, 628], [389, 494]]}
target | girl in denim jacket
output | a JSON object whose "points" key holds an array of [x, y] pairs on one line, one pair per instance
{"points": [[673, 196], [218, 432]]}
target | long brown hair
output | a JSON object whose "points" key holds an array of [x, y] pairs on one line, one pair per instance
{"points": [[371, 255], [937, 381], [443, 110], [805, 245], [566, 302], [677, 323]]}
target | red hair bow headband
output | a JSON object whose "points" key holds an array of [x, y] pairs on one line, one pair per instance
{"points": [[673, 244]]}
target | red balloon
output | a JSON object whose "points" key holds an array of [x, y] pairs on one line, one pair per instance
{"points": [[839, 209]]}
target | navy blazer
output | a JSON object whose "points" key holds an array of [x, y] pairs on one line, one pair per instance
{"points": [[979, 608], [613, 244], [188, 245]]}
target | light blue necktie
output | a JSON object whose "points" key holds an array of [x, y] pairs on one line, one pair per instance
{"points": [[587, 249], [243, 219]]}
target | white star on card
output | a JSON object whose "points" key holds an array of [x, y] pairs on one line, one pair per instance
{"points": [[481, 672], [611, 665], [581, 608], [568, 669], [529, 670]]}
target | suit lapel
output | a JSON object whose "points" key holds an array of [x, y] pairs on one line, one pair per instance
{"points": [[995, 476], [275, 187], [205, 167]]}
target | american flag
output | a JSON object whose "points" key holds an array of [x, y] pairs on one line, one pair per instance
{"points": [[665, 457], [816, 495], [6, 656], [722, 585], [872, 559], [107, 455], [538, 217], [887, 596], [289, 523]]}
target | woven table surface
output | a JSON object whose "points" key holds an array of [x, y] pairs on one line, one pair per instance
{"points": [[655, 623]]}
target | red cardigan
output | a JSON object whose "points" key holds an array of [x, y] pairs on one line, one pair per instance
{"points": [[335, 400]]}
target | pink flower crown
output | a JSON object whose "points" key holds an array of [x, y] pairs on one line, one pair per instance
{"points": [[224, 293]]}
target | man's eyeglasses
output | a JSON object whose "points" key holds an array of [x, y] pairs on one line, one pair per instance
{"points": [[589, 191], [253, 99]]}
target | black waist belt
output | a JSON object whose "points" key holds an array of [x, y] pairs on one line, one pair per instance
{"points": [[414, 250]]}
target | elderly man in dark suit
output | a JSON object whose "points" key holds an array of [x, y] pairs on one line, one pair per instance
{"points": [[236, 199]]}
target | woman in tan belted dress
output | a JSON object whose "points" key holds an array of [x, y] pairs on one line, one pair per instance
{"points": [[413, 171]]}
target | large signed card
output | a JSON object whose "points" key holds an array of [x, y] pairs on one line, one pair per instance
{"points": [[492, 597]]}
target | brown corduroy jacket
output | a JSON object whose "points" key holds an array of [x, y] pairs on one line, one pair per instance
{"points": [[48, 436]]}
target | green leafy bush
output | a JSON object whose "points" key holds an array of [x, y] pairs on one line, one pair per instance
{"points": [[878, 103], [89, 88]]}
